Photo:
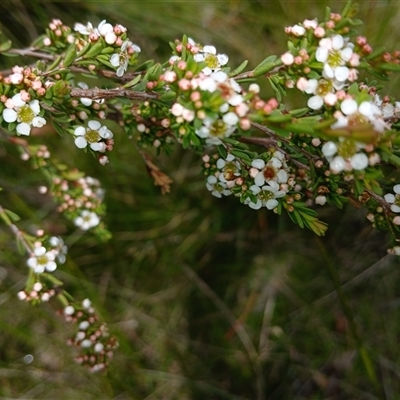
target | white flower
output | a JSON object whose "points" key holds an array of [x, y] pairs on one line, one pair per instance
{"points": [[229, 170], [214, 61], [87, 220], [26, 115], [84, 29], [334, 53], [216, 187], [92, 135], [348, 157], [120, 60], [214, 130], [266, 196], [323, 91], [394, 199], [366, 112], [274, 170], [42, 260], [104, 28]]}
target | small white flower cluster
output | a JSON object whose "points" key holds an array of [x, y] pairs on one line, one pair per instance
{"points": [[267, 181], [366, 112], [86, 220], [24, 111], [339, 67], [224, 178], [271, 181], [347, 154], [207, 54], [43, 259], [92, 337], [80, 200], [112, 36], [336, 54], [231, 114]]}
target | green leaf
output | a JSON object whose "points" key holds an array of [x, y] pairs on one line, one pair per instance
{"points": [[95, 50], [390, 67], [376, 53], [145, 66], [222, 151], [241, 154], [195, 140], [359, 187], [133, 82], [263, 68], [5, 46], [296, 218], [299, 112], [154, 72], [186, 141], [300, 128], [70, 55], [278, 118], [168, 96], [239, 69], [51, 278]]}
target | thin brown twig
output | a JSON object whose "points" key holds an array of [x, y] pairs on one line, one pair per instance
{"points": [[96, 94]]}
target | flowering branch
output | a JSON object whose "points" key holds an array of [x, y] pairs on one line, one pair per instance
{"points": [[342, 144]]}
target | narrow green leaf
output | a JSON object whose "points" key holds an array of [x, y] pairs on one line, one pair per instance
{"points": [[263, 68], [70, 55], [241, 154], [390, 67], [133, 82], [95, 50], [239, 69], [222, 151], [5, 46]]}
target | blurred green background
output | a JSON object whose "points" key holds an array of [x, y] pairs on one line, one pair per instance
{"points": [[209, 299]]}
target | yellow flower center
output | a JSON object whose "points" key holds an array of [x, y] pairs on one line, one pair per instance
{"points": [[92, 136], [211, 61], [42, 260], [218, 128], [324, 87], [25, 114], [335, 59], [265, 195], [347, 148]]}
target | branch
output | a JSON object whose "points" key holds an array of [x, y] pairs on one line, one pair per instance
{"points": [[96, 94]]}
